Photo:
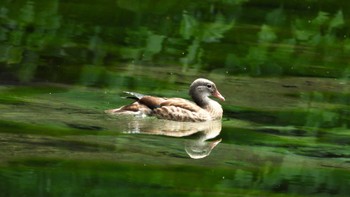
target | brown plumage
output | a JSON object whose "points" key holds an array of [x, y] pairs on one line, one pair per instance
{"points": [[202, 109]]}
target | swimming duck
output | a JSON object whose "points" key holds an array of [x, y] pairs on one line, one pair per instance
{"points": [[178, 109]]}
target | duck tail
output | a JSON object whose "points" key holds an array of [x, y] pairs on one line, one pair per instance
{"points": [[134, 95]]}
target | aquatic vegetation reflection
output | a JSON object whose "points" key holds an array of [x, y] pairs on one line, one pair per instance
{"points": [[35, 37]]}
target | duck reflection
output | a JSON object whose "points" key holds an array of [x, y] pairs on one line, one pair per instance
{"points": [[204, 133]]}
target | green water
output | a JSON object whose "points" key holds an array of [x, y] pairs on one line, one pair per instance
{"points": [[282, 67]]}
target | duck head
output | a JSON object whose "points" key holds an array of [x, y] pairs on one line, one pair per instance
{"points": [[201, 89]]}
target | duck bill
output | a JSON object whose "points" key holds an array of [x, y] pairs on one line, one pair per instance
{"points": [[218, 95]]}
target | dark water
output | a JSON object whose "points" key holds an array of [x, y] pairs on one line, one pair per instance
{"points": [[282, 67]]}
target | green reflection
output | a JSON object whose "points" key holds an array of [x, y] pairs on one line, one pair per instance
{"points": [[213, 35], [65, 177]]}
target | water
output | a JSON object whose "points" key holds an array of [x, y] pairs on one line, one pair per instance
{"points": [[282, 68]]}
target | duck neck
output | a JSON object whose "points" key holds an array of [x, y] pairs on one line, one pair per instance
{"points": [[211, 106], [201, 101], [214, 109]]}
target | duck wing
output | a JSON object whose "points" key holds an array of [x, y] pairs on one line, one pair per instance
{"points": [[181, 103], [176, 109], [152, 101], [179, 109]]}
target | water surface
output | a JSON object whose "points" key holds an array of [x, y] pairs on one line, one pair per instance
{"points": [[282, 68]]}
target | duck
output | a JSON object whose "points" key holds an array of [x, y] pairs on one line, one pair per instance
{"points": [[201, 109]]}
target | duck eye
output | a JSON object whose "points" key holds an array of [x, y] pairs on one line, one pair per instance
{"points": [[209, 86]]}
